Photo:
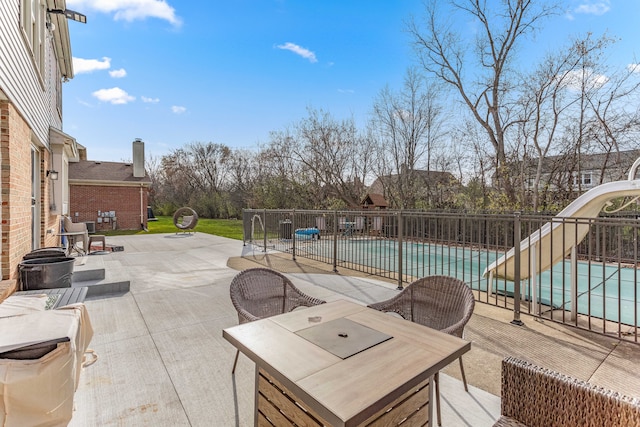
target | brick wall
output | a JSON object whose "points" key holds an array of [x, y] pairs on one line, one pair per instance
{"points": [[87, 200], [15, 189], [15, 197]]}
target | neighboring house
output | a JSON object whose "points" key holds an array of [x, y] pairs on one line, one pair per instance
{"points": [[434, 188], [374, 201], [112, 195], [580, 172], [35, 59]]}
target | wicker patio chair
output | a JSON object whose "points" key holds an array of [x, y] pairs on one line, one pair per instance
{"points": [[185, 219], [257, 293], [439, 302], [533, 396]]}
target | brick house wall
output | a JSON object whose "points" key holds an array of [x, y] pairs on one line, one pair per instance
{"points": [[87, 200], [15, 189], [15, 152]]}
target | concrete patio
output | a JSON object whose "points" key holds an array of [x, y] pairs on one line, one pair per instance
{"points": [[163, 361]]}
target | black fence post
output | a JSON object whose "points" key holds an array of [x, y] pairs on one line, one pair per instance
{"points": [[516, 270], [400, 231], [293, 233], [264, 229], [335, 241], [244, 227]]}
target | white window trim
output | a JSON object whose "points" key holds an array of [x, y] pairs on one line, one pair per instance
{"points": [[33, 25], [585, 179]]}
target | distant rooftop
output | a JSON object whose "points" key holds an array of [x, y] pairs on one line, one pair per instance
{"points": [[90, 170]]}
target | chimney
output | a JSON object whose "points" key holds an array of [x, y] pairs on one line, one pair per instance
{"points": [[138, 158]]}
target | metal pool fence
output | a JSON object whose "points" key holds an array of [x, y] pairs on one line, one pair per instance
{"points": [[592, 282]]}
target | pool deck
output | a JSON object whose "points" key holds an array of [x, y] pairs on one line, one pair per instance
{"points": [[163, 361]]}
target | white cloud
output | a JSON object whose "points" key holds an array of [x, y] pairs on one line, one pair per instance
{"points": [[633, 68], [575, 79], [178, 109], [118, 74], [594, 7], [129, 10], [115, 95], [346, 91], [150, 100], [81, 65], [298, 50]]}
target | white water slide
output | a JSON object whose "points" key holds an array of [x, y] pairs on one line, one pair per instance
{"points": [[556, 239]]}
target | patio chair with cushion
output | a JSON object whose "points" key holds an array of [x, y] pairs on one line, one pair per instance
{"points": [[76, 227], [257, 293], [185, 219], [439, 302]]}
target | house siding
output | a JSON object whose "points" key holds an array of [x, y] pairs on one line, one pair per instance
{"points": [[29, 106], [600, 167], [52, 93], [20, 79], [87, 200]]}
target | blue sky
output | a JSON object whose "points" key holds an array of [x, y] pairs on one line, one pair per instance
{"points": [[173, 72]]}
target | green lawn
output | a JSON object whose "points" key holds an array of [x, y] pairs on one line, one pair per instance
{"points": [[231, 228]]}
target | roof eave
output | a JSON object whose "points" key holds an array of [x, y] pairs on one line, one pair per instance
{"points": [[58, 137], [109, 183], [62, 41]]}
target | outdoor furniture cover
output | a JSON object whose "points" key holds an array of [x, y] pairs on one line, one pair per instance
{"points": [[41, 358]]}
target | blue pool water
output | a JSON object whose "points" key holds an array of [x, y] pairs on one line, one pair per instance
{"points": [[604, 290]]}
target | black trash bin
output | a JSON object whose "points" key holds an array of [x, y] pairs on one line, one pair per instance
{"points": [[286, 229], [46, 273], [51, 252]]}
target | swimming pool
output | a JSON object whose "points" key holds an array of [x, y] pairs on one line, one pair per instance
{"points": [[606, 291]]}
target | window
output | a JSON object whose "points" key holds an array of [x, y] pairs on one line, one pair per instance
{"points": [[26, 19], [585, 179], [32, 19]]}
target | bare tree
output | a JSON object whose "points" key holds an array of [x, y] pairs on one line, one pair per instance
{"points": [[242, 164], [197, 175], [410, 125], [472, 154], [615, 123], [329, 156], [573, 105], [328, 148], [546, 103], [177, 186], [280, 182], [482, 79], [208, 165], [154, 171]]}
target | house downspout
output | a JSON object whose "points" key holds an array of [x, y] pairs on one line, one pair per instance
{"points": [[142, 209]]}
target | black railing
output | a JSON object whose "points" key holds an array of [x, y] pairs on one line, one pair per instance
{"points": [[582, 272]]}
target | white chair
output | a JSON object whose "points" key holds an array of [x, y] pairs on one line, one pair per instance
{"points": [[76, 227]]}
